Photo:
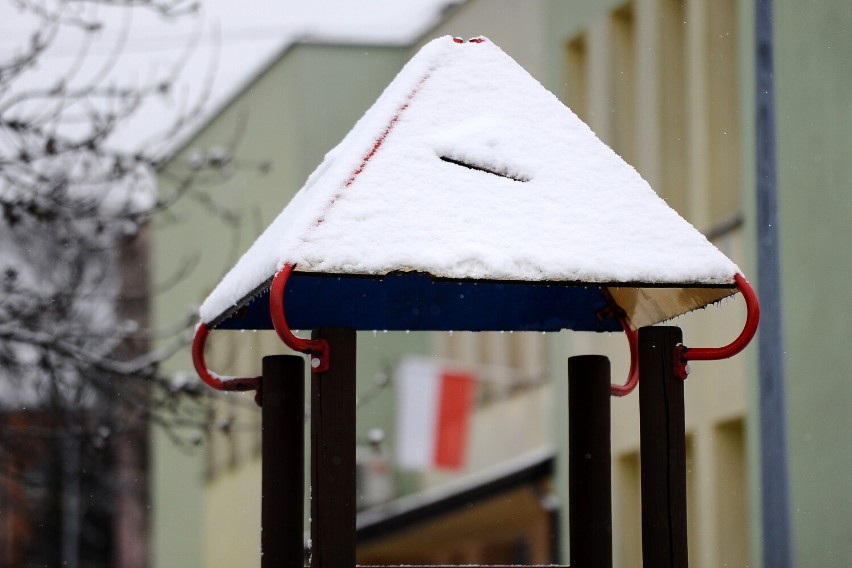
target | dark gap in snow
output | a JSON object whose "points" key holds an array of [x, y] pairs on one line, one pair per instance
{"points": [[486, 169]]}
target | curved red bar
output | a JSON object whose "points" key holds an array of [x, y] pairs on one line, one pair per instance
{"points": [[316, 348], [632, 340], [687, 354], [633, 373], [223, 383]]}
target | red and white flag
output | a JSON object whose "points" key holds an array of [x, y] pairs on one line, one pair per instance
{"points": [[432, 414]]}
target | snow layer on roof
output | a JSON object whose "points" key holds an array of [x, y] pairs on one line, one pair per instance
{"points": [[466, 167]]}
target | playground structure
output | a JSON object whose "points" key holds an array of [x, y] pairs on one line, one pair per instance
{"points": [[324, 266]]}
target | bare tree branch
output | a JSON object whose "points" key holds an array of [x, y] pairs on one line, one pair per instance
{"points": [[79, 379]]}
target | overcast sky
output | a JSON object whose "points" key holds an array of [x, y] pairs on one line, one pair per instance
{"points": [[221, 47]]}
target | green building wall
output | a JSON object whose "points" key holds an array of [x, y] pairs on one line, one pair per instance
{"points": [[813, 70], [290, 116]]}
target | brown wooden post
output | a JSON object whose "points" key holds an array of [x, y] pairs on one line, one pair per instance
{"points": [[333, 454], [589, 462], [283, 462], [663, 450]]}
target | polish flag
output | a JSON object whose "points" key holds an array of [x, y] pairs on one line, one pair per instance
{"points": [[432, 415]]}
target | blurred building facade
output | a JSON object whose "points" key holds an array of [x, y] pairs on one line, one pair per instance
{"points": [[669, 85]]}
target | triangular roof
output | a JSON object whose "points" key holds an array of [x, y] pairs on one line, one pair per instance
{"points": [[467, 168]]}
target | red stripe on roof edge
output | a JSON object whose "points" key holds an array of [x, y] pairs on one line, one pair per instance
{"points": [[384, 135], [378, 144]]}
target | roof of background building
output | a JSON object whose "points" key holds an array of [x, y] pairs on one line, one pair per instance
{"points": [[213, 57], [410, 510]]}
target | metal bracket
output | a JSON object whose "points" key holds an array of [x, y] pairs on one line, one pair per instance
{"points": [[231, 384], [316, 349], [684, 354], [614, 310]]}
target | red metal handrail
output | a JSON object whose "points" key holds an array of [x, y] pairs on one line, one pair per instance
{"points": [[632, 340], [239, 384], [633, 373], [317, 349], [686, 354]]}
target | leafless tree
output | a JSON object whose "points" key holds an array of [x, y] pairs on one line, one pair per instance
{"points": [[79, 380]]}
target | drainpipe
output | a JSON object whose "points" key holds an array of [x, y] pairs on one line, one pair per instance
{"points": [[775, 502]]}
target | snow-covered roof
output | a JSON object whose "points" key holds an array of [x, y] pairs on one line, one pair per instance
{"points": [[467, 168]]}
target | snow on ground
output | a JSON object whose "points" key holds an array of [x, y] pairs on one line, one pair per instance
{"points": [[466, 167]]}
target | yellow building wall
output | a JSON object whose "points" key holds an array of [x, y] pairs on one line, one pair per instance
{"points": [[232, 518], [656, 79]]}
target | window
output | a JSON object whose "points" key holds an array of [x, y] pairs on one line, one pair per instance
{"points": [[627, 541], [577, 77], [732, 496], [659, 84], [623, 80], [672, 105], [724, 112]]}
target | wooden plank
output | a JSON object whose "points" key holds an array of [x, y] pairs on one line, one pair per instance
{"points": [[589, 461], [283, 463], [663, 449], [333, 505]]}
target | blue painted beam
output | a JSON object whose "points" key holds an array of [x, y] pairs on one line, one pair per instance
{"points": [[418, 302]]}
